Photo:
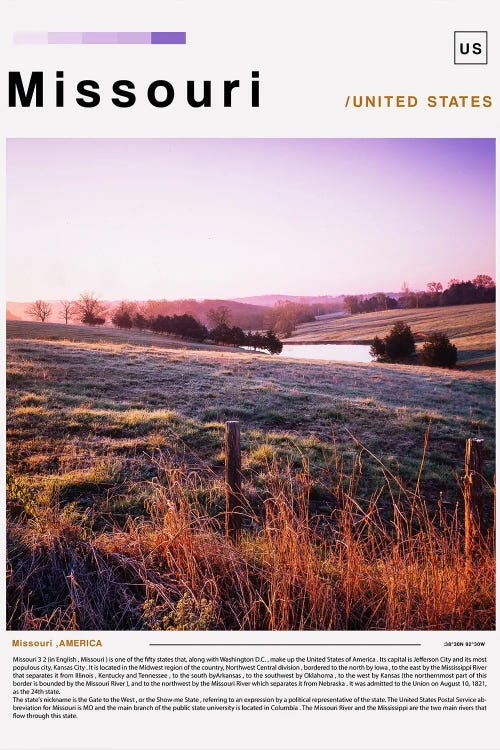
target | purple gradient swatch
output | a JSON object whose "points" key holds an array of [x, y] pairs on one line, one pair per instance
{"points": [[31, 37], [100, 37], [134, 37], [168, 37], [64, 37]]}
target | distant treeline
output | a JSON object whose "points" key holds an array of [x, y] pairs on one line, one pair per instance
{"points": [[285, 316], [355, 304], [187, 327], [480, 289], [282, 319], [242, 314], [90, 310]]}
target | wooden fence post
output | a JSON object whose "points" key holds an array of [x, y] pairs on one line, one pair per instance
{"points": [[234, 505], [473, 493]]}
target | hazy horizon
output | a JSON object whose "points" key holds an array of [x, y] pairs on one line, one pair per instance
{"points": [[230, 218], [243, 298]]}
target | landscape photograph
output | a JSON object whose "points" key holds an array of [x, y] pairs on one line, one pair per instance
{"points": [[250, 384]]}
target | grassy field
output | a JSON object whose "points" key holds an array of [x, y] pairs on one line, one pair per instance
{"points": [[90, 334], [115, 488], [470, 327]]}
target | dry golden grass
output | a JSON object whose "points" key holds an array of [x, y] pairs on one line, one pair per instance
{"points": [[174, 568]]}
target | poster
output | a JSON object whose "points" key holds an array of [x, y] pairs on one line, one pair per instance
{"points": [[250, 376]]}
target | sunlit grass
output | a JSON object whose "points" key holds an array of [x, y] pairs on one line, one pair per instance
{"points": [[173, 567]]}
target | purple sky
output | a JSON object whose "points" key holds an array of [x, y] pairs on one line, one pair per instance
{"points": [[143, 219]]}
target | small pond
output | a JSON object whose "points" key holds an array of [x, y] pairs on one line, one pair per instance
{"points": [[332, 352]]}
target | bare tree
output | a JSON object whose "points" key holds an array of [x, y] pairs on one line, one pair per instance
{"points": [[90, 310], [219, 316], [68, 310], [352, 303], [434, 287], [484, 281], [39, 310]]}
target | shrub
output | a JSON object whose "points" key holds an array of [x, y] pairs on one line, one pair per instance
{"points": [[377, 349], [268, 341], [122, 319], [89, 319], [438, 351], [139, 321], [399, 343], [222, 334], [272, 343], [238, 336], [184, 326]]}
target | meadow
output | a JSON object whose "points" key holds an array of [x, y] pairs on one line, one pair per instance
{"points": [[351, 477], [470, 327]]}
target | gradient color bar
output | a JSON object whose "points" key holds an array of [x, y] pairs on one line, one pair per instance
{"points": [[100, 37]]}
